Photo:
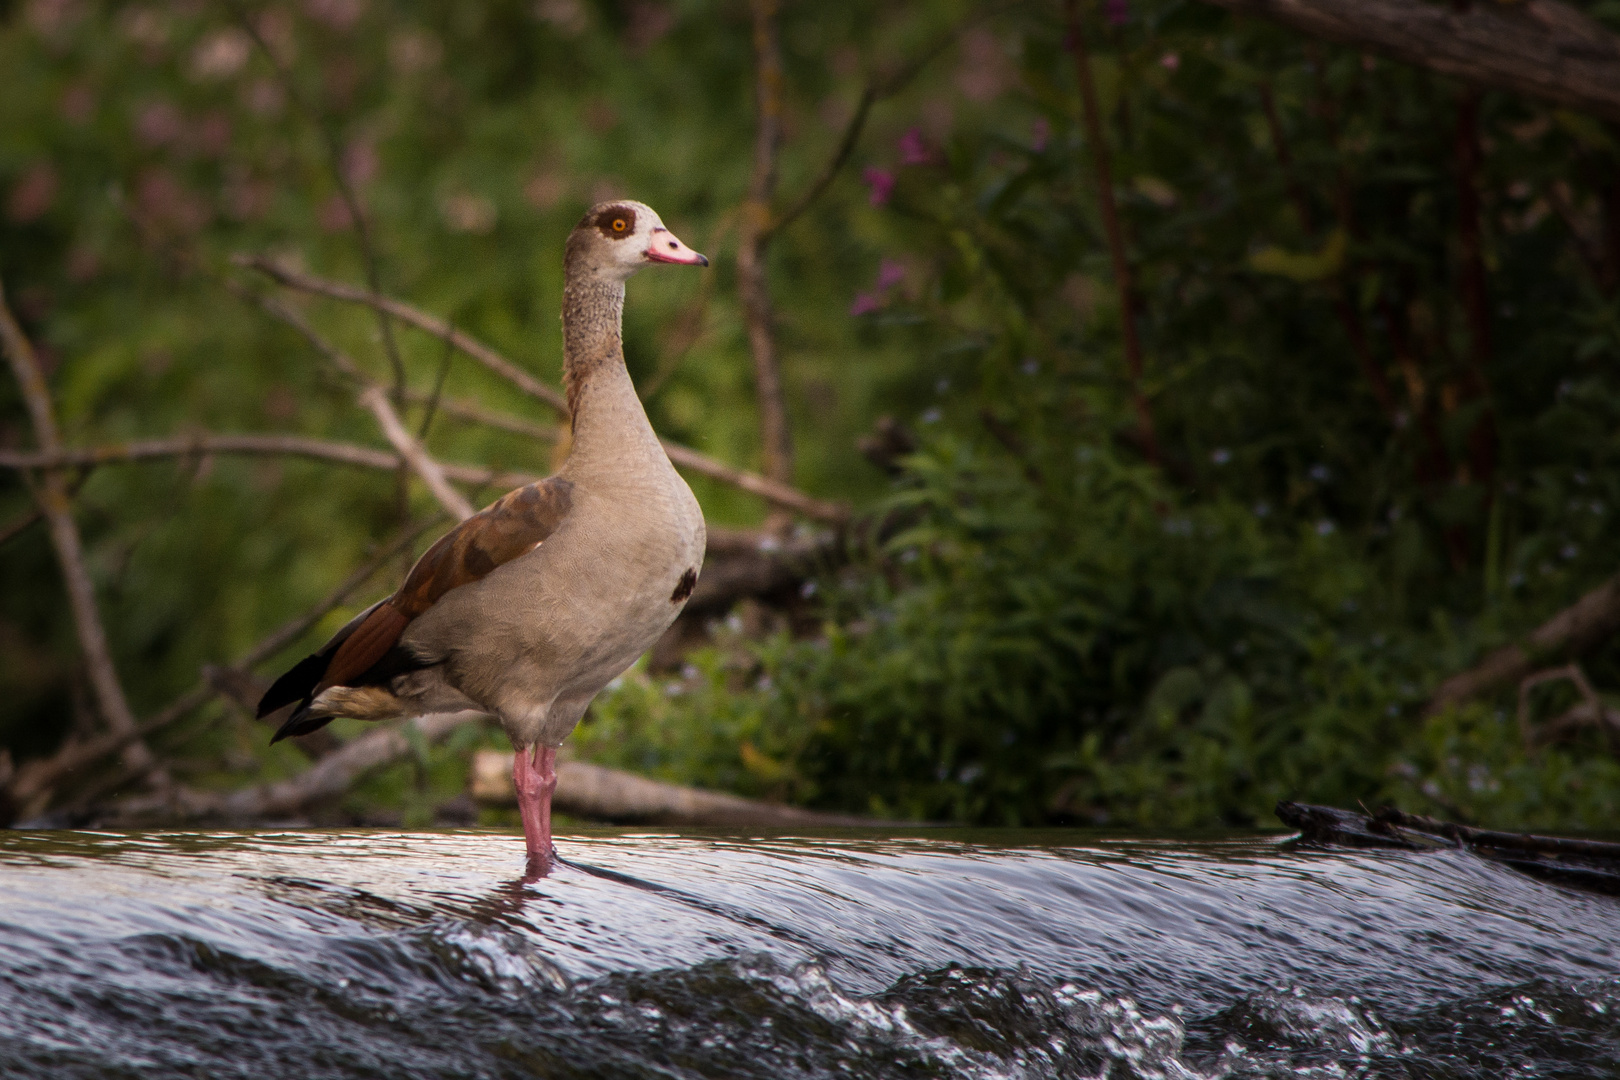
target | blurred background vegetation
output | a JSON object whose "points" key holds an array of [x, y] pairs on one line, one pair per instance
{"points": [[1368, 431]]}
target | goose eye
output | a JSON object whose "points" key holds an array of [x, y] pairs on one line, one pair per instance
{"points": [[619, 225]]}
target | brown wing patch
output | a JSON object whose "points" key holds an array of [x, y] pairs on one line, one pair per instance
{"points": [[510, 526]]}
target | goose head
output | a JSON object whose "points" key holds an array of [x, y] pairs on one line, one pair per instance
{"points": [[617, 238]]}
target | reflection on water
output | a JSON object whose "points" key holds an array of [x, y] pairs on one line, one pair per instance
{"points": [[1017, 954]]}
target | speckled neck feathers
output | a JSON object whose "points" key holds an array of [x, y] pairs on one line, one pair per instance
{"points": [[592, 313]]}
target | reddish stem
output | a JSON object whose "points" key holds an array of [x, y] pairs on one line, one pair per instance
{"points": [[1111, 228], [1347, 313], [1473, 285]]}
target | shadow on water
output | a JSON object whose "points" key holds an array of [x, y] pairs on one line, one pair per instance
{"points": [[1006, 954]]}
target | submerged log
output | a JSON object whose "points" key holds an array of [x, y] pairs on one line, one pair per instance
{"points": [[1593, 865]]}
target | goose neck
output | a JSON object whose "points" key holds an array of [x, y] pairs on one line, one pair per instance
{"points": [[592, 315]]}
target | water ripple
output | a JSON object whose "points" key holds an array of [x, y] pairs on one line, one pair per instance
{"points": [[1064, 955]]}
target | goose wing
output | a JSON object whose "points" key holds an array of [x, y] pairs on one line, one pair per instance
{"points": [[365, 651]]}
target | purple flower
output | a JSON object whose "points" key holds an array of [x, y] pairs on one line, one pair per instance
{"points": [[1038, 135], [890, 274], [1117, 12], [913, 148], [865, 303], [881, 181]]}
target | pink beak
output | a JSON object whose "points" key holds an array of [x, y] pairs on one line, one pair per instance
{"points": [[666, 247]]}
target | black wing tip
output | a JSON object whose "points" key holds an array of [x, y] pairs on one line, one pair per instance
{"points": [[301, 722], [296, 685]]}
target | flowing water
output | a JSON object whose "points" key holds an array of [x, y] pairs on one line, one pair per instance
{"points": [[1016, 954]]}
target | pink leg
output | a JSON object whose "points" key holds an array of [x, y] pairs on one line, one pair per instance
{"points": [[534, 775]]}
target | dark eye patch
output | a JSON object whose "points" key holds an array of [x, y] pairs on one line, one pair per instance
{"points": [[616, 222]]}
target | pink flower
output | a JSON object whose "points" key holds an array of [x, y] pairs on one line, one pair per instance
{"points": [[1170, 61], [865, 303], [360, 162], [1038, 135], [881, 181], [33, 195], [159, 123], [1117, 12], [890, 274], [913, 148]]}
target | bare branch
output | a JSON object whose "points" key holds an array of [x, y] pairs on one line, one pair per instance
{"points": [[35, 778], [477, 414], [53, 500], [351, 198], [20, 526], [196, 445], [327, 778], [1123, 277], [480, 352], [376, 402], [878, 88], [598, 793], [772, 491], [753, 283], [1590, 711], [830, 171], [1591, 620], [782, 495], [432, 475], [1542, 48]]}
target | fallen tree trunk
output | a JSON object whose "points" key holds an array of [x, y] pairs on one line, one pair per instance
{"points": [[602, 794], [1593, 865], [588, 791], [1588, 622], [1541, 48], [327, 778]]}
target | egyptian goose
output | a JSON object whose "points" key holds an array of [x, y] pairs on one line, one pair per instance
{"points": [[528, 608]]}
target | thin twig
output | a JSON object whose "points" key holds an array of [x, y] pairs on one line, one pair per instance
{"points": [[1474, 285], [327, 778], [198, 444], [878, 88], [772, 491], [438, 390], [688, 325], [782, 495], [474, 413], [366, 457], [1123, 277], [351, 200], [20, 526], [53, 500], [405, 313], [375, 400], [830, 171], [1348, 314], [775, 434]]}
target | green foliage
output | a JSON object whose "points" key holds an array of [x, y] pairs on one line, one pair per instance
{"points": [[1064, 633], [1358, 478]]}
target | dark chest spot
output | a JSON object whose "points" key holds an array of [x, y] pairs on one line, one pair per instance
{"points": [[684, 587]]}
